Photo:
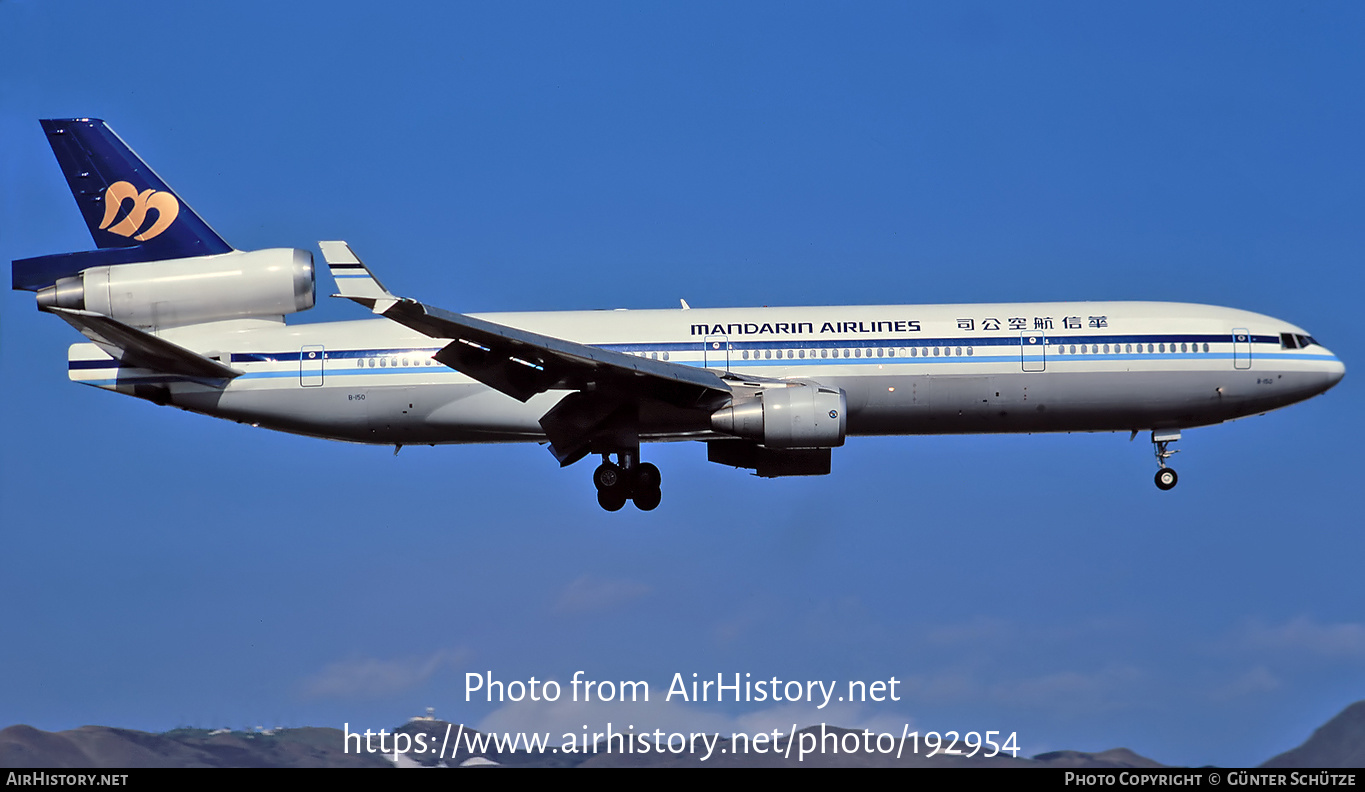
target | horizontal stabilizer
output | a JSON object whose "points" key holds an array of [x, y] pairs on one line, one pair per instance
{"points": [[354, 279], [133, 347]]}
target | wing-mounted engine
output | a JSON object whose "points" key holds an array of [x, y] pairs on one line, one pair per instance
{"points": [[799, 415], [236, 285]]}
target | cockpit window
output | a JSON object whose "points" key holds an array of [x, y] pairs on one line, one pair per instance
{"points": [[1287, 341], [1304, 341]]}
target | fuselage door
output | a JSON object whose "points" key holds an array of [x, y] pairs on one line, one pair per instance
{"points": [[310, 366], [716, 352], [1241, 348], [1033, 350]]}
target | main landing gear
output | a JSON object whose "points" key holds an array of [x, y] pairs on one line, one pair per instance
{"points": [[1165, 477], [627, 479]]}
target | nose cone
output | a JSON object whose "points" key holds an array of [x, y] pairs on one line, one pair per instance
{"points": [[1335, 371], [1329, 369]]}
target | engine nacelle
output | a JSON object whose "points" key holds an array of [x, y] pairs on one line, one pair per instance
{"points": [[797, 416], [234, 285]]}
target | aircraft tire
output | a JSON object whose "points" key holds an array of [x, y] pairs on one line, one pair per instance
{"points": [[1166, 478], [608, 477], [648, 499], [611, 500], [647, 477]]}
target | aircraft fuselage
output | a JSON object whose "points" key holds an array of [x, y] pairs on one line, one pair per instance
{"points": [[906, 369]]}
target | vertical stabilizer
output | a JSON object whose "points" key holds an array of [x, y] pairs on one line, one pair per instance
{"points": [[132, 214], [124, 203]]}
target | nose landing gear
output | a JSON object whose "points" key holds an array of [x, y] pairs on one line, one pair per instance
{"points": [[625, 480], [1165, 477]]}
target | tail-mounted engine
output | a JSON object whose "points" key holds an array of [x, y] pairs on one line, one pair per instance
{"points": [[797, 416], [236, 285]]}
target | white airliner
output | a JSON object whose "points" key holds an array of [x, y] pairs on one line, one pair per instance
{"points": [[177, 316]]}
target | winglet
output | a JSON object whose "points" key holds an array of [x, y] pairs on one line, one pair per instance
{"points": [[354, 280]]}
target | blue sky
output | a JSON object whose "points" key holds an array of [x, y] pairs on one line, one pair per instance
{"points": [[160, 569]]}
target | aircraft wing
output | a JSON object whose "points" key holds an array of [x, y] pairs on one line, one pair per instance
{"points": [[522, 364], [133, 347]]}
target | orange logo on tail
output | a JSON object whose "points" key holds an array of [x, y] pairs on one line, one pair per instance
{"points": [[163, 202]]}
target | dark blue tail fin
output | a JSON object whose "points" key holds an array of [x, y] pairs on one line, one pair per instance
{"points": [[131, 213]]}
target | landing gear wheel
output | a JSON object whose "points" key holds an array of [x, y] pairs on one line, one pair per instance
{"points": [[611, 500], [647, 499], [647, 477], [627, 480], [1166, 478], [608, 477]]}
